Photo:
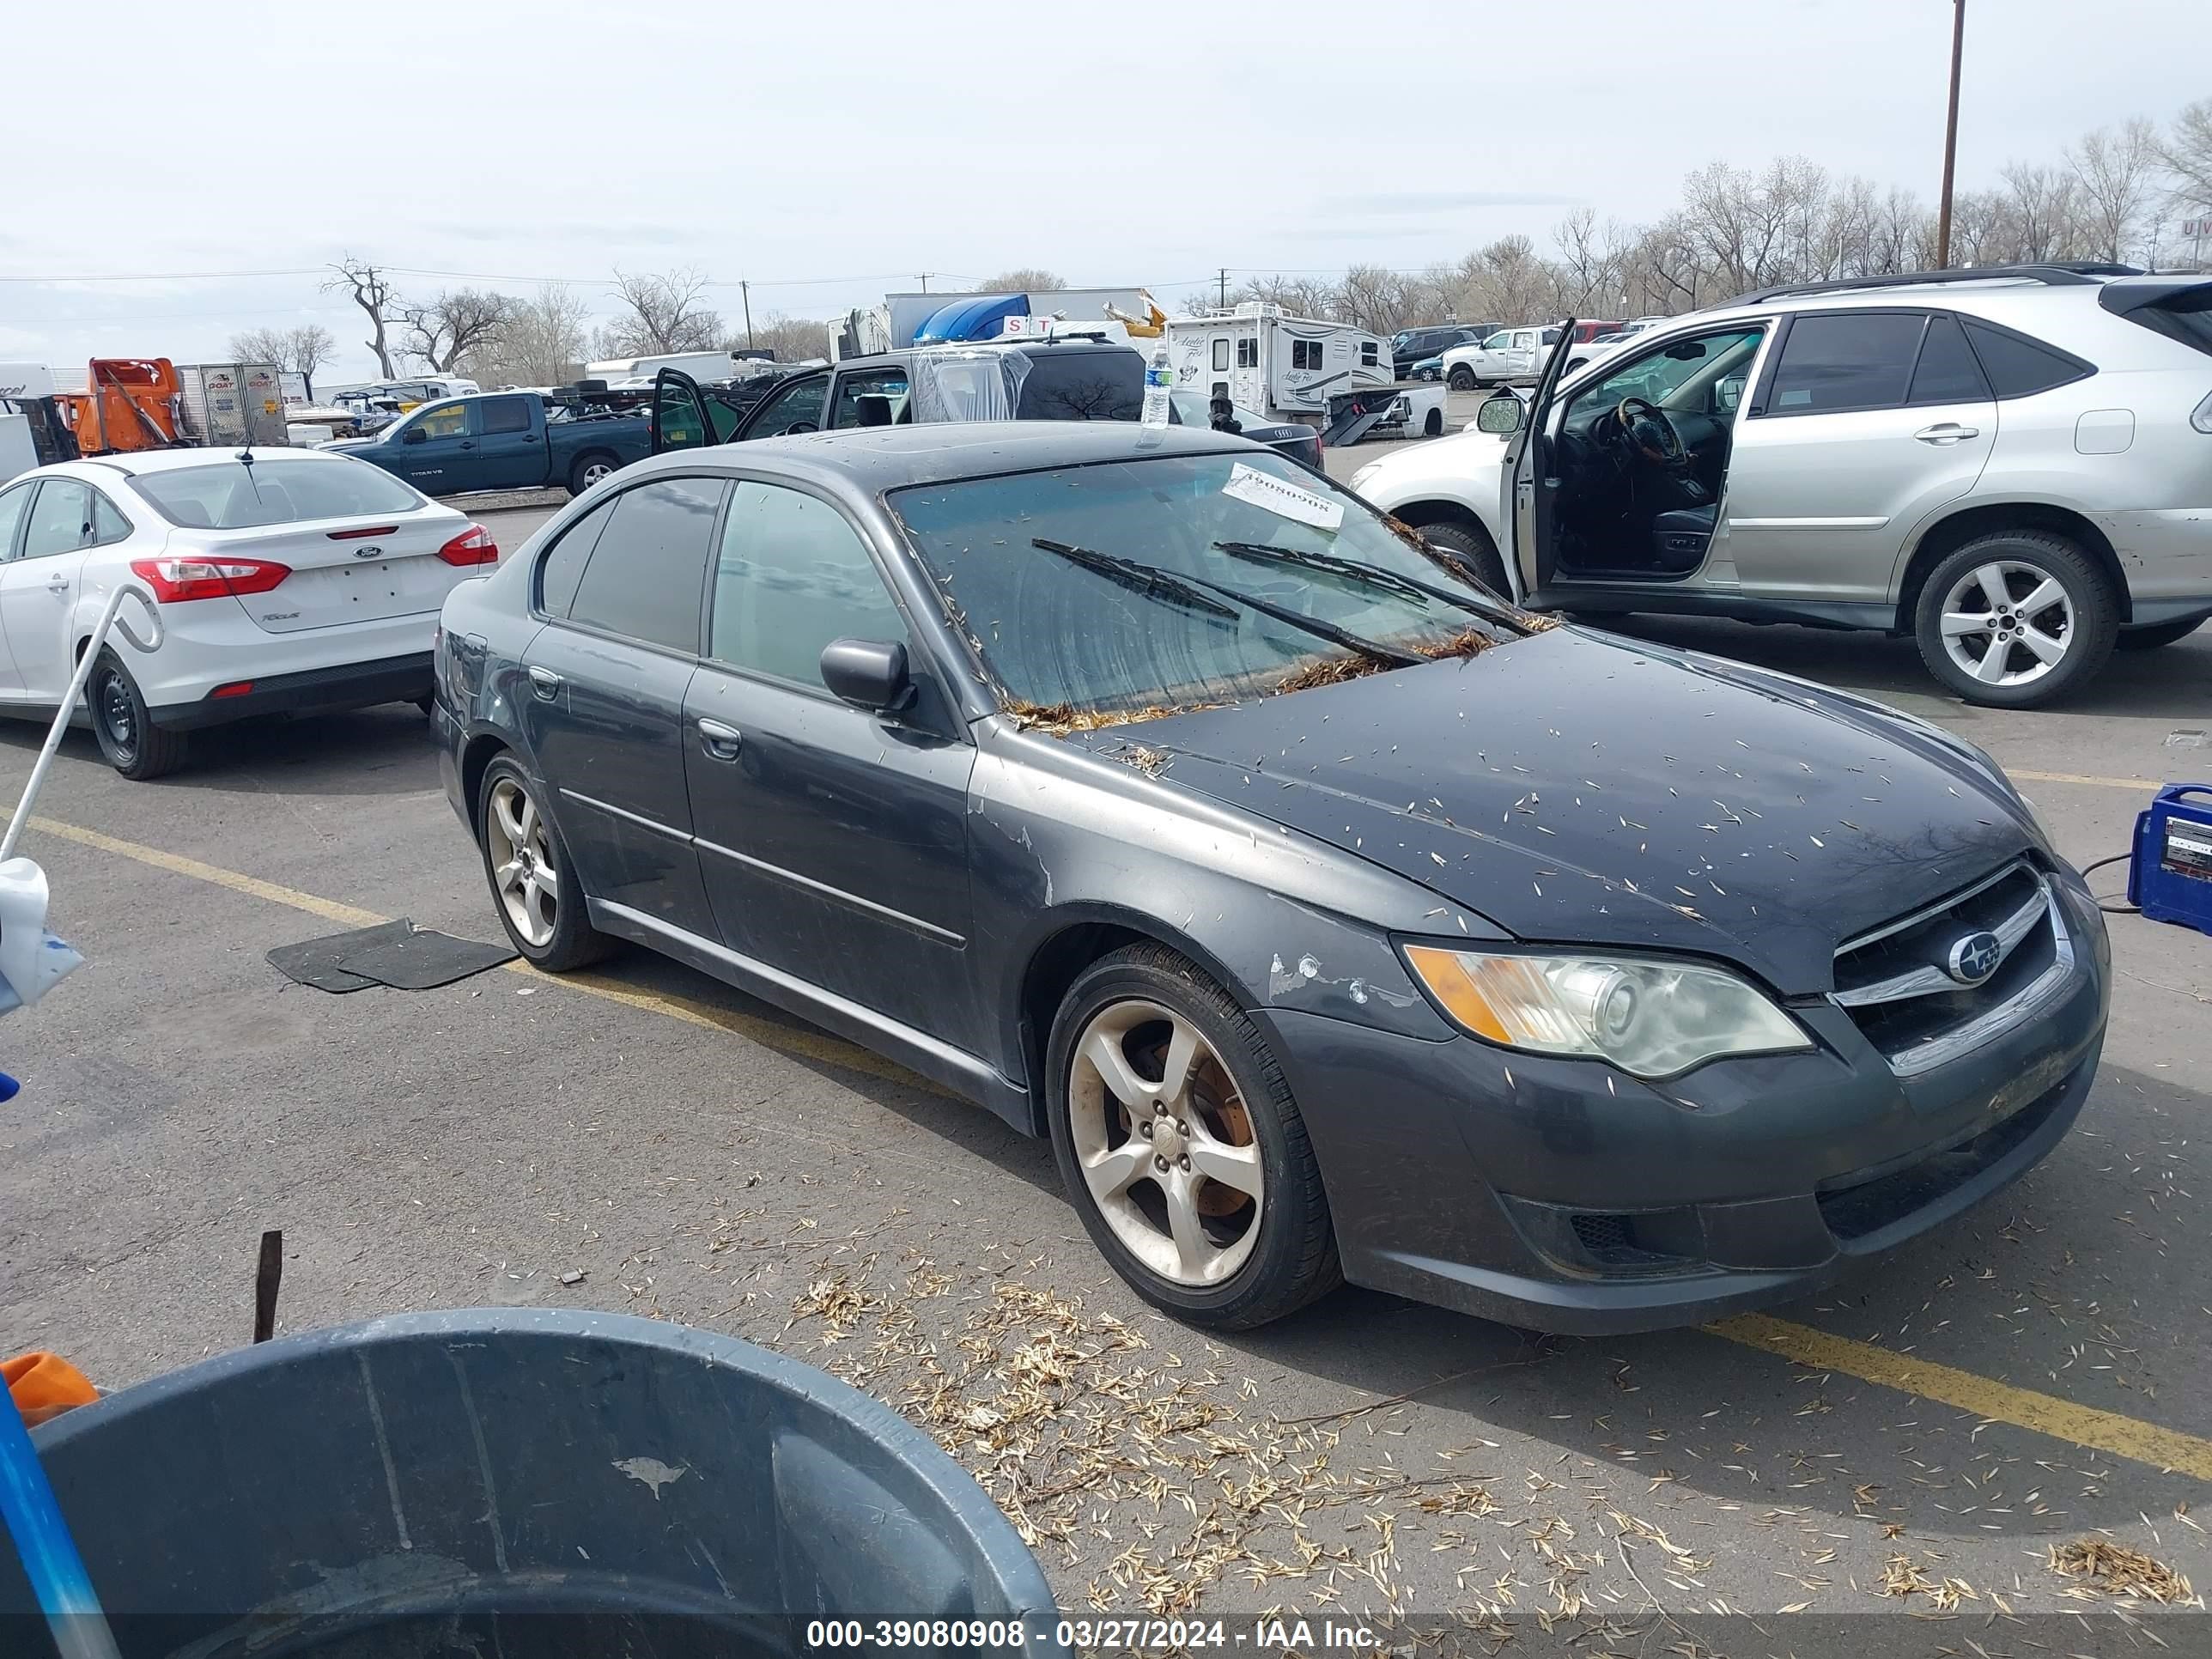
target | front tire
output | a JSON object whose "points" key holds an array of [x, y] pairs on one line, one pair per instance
{"points": [[1462, 378], [1470, 544], [533, 883], [1181, 1146], [128, 738], [2158, 633], [2016, 620]]}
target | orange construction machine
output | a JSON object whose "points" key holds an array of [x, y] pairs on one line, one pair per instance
{"points": [[130, 403]]}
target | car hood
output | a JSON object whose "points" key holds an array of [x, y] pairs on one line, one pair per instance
{"points": [[1570, 788]]}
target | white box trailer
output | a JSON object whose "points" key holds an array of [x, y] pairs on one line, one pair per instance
{"points": [[225, 404], [1332, 375]]}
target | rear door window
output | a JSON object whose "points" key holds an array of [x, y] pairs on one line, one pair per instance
{"points": [[1861, 359], [1947, 371], [505, 415], [2019, 366], [562, 566], [870, 397], [648, 571]]}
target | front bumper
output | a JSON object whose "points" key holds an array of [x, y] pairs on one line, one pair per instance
{"points": [[348, 685], [1564, 1195]]}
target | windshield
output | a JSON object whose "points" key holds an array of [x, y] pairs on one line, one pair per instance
{"points": [[229, 495], [1060, 634]]}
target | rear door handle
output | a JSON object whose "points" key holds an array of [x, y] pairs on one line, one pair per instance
{"points": [[1946, 432], [58, 584], [545, 683], [721, 742]]}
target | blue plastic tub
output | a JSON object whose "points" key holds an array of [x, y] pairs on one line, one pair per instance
{"points": [[519, 1483]]}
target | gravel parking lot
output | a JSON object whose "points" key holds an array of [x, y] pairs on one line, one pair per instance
{"points": [[1917, 1443]]}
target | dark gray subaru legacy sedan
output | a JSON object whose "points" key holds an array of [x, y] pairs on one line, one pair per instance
{"points": [[1335, 920]]}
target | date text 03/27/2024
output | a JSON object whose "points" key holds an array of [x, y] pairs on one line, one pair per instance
{"points": [[1096, 1635]]}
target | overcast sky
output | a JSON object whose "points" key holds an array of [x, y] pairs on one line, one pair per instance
{"points": [[829, 151]]}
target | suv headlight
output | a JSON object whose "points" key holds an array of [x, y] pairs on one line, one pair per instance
{"points": [[1653, 1019], [1363, 475]]}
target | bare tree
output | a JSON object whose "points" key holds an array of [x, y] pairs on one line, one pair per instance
{"points": [[2185, 154], [666, 312], [372, 291], [541, 343], [300, 351], [458, 322], [2114, 172], [793, 339], [1302, 296], [1025, 281]]}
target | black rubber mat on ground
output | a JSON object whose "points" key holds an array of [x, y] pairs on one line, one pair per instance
{"points": [[394, 953]]}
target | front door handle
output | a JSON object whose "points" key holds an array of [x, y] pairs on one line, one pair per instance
{"points": [[545, 683], [1946, 432], [58, 584], [721, 742]]}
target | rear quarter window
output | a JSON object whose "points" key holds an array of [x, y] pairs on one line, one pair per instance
{"points": [[2018, 366]]}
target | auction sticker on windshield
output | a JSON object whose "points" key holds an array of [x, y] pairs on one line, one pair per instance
{"points": [[1284, 501]]}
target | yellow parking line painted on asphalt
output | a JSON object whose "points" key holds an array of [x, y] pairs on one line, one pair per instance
{"points": [[329, 909], [769, 1034], [2137, 784], [1986, 1397], [2083, 1425]]}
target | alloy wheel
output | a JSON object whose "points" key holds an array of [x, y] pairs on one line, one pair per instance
{"points": [[522, 871], [2007, 624], [595, 472], [1165, 1143]]}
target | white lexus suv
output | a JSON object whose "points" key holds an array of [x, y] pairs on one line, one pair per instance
{"points": [[2013, 465], [286, 581]]}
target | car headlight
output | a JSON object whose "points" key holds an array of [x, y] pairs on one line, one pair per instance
{"points": [[1362, 475], [1653, 1019]]}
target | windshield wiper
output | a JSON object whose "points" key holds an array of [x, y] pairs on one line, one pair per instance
{"points": [[1146, 578], [1152, 578], [1373, 575]]}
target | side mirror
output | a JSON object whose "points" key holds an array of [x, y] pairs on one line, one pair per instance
{"points": [[1501, 415], [869, 674], [414, 434]]}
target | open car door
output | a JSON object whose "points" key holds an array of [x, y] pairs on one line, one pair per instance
{"points": [[1529, 479], [679, 413]]}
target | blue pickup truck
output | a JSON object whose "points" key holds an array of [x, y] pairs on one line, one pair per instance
{"points": [[504, 440]]}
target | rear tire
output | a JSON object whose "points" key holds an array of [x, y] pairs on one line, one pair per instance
{"points": [[533, 880], [128, 738], [2038, 592], [1252, 1248], [590, 470], [1462, 378], [2158, 634], [1472, 546]]}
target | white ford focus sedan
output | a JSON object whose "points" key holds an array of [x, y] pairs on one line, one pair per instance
{"points": [[287, 582]]}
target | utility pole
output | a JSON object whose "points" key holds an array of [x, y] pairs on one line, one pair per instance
{"points": [[1950, 137], [745, 293], [1225, 287], [925, 282]]}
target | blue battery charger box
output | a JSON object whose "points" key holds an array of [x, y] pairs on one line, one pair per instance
{"points": [[2170, 876]]}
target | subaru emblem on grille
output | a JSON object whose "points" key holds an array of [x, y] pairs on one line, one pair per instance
{"points": [[1974, 957]]}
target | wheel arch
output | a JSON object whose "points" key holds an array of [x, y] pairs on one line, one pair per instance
{"points": [[1443, 509], [1955, 530], [477, 753], [1069, 941]]}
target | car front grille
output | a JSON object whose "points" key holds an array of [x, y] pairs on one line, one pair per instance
{"points": [[1910, 988]]}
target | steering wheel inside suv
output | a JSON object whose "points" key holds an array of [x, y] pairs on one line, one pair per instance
{"points": [[1647, 433]]}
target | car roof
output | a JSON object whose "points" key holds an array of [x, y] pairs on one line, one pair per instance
{"points": [[135, 463], [883, 458]]}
